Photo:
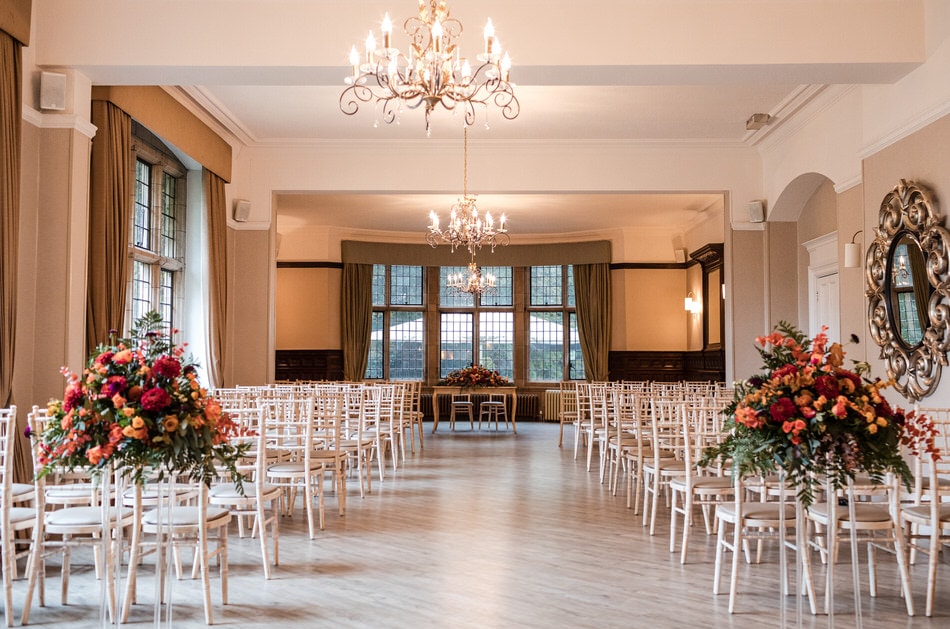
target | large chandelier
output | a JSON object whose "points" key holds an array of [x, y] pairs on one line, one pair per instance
{"points": [[467, 228], [474, 281], [432, 72]]}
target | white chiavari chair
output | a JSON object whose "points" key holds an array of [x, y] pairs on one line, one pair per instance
{"points": [[666, 446], [705, 488], [256, 500], [926, 518], [63, 528], [567, 408], [12, 518]]}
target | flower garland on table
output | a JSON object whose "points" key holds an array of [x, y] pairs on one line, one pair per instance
{"points": [[138, 406], [474, 376], [812, 417]]}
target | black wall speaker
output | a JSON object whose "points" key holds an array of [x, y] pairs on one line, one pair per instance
{"points": [[756, 212], [242, 210]]}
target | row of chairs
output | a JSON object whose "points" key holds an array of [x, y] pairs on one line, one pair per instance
{"points": [[655, 434], [302, 436]]}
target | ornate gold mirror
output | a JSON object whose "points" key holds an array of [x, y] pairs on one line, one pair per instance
{"points": [[908, 289]]}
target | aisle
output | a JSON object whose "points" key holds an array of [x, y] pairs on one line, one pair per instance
{"points": [[481, 530]]}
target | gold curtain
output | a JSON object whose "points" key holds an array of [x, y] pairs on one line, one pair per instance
{"points": [[218, 271], [110, 208], [11, 115], [922, 288], [357, 318], [10, 119], [592, 297]]}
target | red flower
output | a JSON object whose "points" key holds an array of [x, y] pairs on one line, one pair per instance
{"points": [[167, 367], [827, 386], [73, 396], [155, 399], [784, 370], [113, 385], [782, 410]]}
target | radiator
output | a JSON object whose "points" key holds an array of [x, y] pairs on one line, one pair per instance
{"points": [[551, 406]]}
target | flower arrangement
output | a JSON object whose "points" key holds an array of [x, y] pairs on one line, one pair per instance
{"points": [[474, 376], [812, 417], [137, 406]]}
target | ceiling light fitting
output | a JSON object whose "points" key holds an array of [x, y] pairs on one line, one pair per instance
{"points": [[757, 121], [467, 228], [474, 282], [432, 72]]}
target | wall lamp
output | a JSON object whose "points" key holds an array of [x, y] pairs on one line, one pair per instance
{"points": [[692, 305], [852, 252]]}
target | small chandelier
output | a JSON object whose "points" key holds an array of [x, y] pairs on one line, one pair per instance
{"points": [[467, 228], [474, 282], [434, 72]]}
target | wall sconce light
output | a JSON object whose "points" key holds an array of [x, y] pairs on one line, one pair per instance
{"points": [[852, 252], [692, 305]]}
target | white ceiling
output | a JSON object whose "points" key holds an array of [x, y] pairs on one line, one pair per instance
{"points": [[679, 72]]}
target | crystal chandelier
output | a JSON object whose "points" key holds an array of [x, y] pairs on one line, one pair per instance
{"points": [[467, 228], [432, 72], [474, 282]]}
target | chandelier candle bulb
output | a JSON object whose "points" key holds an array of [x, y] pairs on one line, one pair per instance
{"points": [[437, 36], [387, 29], [370, 48], [355, 62], [489, 36]]}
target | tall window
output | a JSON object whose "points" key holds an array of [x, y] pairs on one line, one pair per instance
{"points": [[477, 330], [158, 229], [554, 351], [397, 340], [484, 330]]}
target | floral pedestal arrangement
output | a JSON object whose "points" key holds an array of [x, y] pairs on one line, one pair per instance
{"points": [[815, 422], [474, 376], [137, 409]]}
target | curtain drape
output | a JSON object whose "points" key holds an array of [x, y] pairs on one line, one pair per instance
{"points": [[11, 115], [592, 299], [110, 207], [10, 119], [357, 318], [218, 276], [922, 288]]}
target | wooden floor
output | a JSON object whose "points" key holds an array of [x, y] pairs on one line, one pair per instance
{"points": [[486, 529]]}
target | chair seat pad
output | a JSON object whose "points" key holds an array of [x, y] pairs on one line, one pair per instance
{"points": [[705, 484], [921, 513], [21, 514], [864, 512], [183, 515], [291, 468], [228, 491], [21, 489], [80, 516], [757, 512]]}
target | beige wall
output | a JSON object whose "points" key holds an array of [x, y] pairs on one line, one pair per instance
{"points": [[648, 310], [783, 268], [51, 278], [850, 209], [923, 157], [308, 308], [249, 361]]}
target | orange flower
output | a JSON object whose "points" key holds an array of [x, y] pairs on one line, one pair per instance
{"points": [[170, 423]]}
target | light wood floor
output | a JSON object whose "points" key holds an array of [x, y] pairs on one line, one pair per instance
{"points": [[488, 530]]}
